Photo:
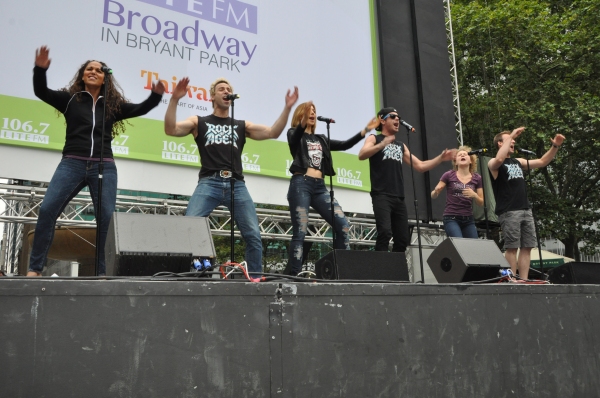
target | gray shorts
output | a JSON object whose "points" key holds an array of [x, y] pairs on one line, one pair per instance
{"points": [[518, 229]]}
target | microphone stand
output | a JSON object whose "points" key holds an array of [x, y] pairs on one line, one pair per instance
{"points": [[331, 196], [100, 178], [412, 175], [485, 209], [537, 234], [232, 183]]}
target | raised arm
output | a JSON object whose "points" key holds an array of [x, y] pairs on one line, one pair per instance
{"points": [[129, 110], [495, 163], [337, 145], [557, 141], [262, 132], [425, 165], [58, 99], [40, 83], [172, 126]]}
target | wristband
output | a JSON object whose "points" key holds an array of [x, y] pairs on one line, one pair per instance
{"points": [[367, 129], [556, 146]]}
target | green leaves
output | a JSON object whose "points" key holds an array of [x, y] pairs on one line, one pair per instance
{"points": [[537, 64]]}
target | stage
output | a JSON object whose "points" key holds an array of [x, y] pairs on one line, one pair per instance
{"points": [[189, 338]]}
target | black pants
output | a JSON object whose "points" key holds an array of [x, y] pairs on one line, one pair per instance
{"points": [[391, 220]]}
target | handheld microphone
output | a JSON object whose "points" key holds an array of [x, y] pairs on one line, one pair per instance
{"points": [[106, 69], [477, 151], [408, 126], [325, 119], [525, 151], [232, 97]]}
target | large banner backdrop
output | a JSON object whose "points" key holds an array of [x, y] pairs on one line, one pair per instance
{"points": [[264, 47]]}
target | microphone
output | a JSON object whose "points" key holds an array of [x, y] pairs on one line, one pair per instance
{"points": [[232, 97], [477, 151], [408, 126], [525, 151], [106, 69], [325, 119]]}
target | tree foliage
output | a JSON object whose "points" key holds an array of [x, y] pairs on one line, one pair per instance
{"points": [[536, 63]]}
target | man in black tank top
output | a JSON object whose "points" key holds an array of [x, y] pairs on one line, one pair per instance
{"points": [[213, 136], [510, 190], [386, 153]]}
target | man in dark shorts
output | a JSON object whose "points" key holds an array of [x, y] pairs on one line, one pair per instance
{"points": [[510, 189], [386, 153]]}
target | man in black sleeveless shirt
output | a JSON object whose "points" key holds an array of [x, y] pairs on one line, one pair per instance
{"points": [[213, 136], [386, 154], [512, 207]]}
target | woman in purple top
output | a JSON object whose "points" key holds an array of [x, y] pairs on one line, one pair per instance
{"points": [[464, 185]]}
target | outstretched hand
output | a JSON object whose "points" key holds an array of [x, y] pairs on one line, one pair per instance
{"points": [[41, 57], [517, 132], [449, 154], [558, 140], [158, 88], [291, 98], [180, 89], [373, 123]]}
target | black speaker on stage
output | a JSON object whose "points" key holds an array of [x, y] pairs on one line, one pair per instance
{"points": [[576, 273], [362, 265], [144, 244], [458, 260]]}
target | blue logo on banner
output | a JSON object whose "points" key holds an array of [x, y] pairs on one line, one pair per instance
{"points": [[232, 13]]}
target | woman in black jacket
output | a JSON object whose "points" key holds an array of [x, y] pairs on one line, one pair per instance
{"points": [[312, 161], [82, 104]]}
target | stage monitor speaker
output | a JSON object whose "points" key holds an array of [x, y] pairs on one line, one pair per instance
{"points": [[362, 265], [576, 273], [144, 244], [458, 260]]}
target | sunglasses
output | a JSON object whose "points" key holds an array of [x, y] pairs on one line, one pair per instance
{"points": [[393, 117]]}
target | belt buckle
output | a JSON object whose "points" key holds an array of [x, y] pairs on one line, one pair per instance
{"points": [[225, 174]]}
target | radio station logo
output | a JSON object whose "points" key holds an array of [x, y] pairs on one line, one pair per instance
{"points": [[233, 13], [183, 39], [24, 131]]}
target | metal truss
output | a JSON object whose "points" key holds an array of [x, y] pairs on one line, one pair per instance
{"points": [[22, 204], [453, 73]]}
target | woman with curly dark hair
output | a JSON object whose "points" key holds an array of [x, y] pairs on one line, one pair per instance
{"points": [[82, 104]]}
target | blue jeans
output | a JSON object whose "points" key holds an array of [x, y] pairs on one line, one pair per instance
{"points": [[303, 193], [70, 177], [216, 191], [460, 227]]}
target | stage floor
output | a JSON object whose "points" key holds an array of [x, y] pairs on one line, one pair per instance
{"points": [[171, 338]]}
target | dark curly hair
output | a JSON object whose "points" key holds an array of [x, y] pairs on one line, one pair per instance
{"points": [[114, 94]]}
